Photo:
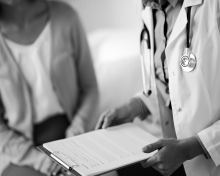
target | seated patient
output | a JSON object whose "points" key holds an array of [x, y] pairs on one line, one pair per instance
{"points": [[48, 88]]}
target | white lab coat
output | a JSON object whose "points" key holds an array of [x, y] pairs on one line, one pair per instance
{"points": [[195, 96]]}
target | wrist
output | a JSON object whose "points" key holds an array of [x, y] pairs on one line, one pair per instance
{"points": [[127, 111], [144, 110], [192, 148], [134, 108]]}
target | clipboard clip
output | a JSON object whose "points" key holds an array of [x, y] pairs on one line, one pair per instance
{"points": [[64, 160]]}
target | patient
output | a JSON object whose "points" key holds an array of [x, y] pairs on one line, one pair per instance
{"points": [[48, 88]]}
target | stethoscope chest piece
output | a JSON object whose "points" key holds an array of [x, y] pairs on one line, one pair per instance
{"points": [[188, 61]]}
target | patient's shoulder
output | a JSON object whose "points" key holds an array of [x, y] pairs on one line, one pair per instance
{"points": [[62, 10]]}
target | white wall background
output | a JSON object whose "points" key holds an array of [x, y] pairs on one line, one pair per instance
{"points": [[96, 14]]}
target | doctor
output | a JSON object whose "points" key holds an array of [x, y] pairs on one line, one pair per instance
{"points": [[186, 60]]}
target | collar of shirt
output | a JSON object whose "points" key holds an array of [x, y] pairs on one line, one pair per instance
{"points": [[161, 2]]}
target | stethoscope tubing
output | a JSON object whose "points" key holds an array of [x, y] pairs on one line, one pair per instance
{"points": [[145, 43], [188, 27]]}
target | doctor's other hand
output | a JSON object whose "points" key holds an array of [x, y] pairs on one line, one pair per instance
{"points": [[77, 127], [171, 154], [123, 114]]}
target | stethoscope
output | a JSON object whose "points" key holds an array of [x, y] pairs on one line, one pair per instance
{"points": [[187, 61]]}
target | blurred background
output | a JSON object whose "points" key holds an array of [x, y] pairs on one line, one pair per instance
{"points": [[113, 29]]}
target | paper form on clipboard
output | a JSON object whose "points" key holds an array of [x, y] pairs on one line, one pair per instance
{"points": [[101, 151]]}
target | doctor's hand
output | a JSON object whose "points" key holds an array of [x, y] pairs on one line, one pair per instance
{"points": [[171, 154], [120, 115]]}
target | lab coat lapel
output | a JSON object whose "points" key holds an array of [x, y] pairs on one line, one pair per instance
{"points": [[181, 21], [147, 17], [188, 3], [179, 25]]}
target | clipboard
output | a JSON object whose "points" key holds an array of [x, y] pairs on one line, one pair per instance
{"points": [[62, 163], [69, 162], [71, 170]]}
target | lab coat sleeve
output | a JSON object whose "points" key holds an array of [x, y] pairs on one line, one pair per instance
{"points": [[160, 119], [151, 102], [210, 138], [89, 96], [19, 150]]}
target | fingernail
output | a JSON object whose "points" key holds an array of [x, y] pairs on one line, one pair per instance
{"points": [[144, 149]]}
